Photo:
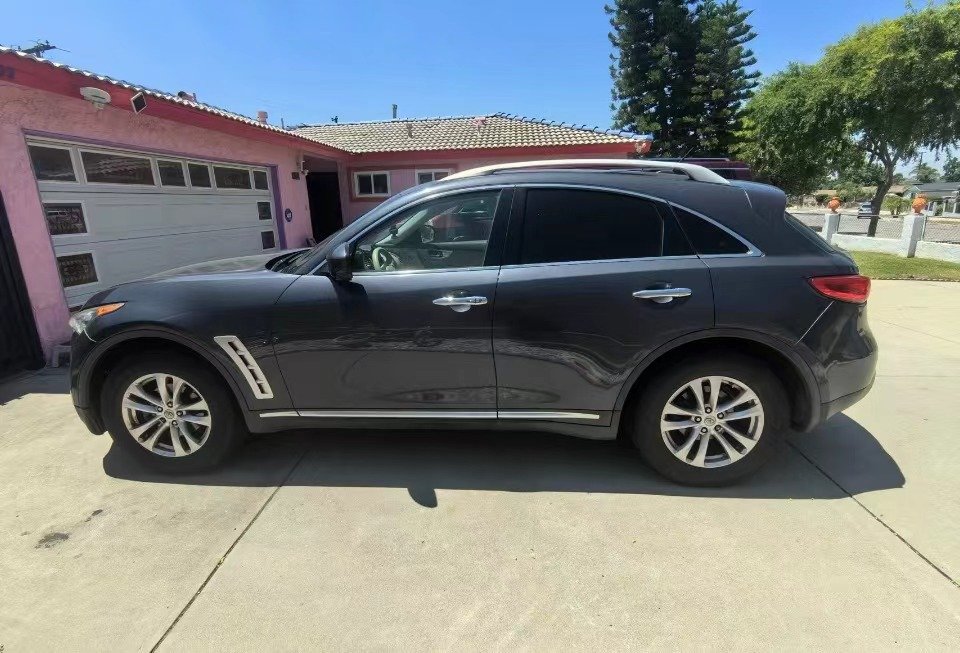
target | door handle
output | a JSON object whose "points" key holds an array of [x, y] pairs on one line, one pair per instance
{"points": [[662, 295], [460, 304]]}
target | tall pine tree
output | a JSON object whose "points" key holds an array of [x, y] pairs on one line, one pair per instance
{"points": [[655, 43], [680, 72], [722, 79]]}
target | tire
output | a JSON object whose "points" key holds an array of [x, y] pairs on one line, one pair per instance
{"points": [[211, 426], [718, 466]]}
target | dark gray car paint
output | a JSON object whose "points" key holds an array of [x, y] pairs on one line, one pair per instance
{"points": [[543, 341]]}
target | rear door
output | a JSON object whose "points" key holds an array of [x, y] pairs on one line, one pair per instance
{"points": [[595, 280]]}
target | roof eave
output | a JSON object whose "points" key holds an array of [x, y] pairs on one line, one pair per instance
{"points": [[42, 76]]}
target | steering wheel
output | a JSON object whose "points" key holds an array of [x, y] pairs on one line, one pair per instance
{"points": [[384, 260]]}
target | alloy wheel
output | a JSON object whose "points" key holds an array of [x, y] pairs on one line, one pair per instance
{"points": [[712, 421], [166, 415]]}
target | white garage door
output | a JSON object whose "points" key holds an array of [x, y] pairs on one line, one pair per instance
{"points": [[116, 215]]}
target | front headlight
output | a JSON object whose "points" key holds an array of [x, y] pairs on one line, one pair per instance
{"points": [[81, 319]]}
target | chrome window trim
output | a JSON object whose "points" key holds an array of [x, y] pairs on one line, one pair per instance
{"points": [[252, 374], [513, 266], [403, 273], [434, 414]]}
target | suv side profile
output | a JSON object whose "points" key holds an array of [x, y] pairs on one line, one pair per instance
{"points": [[652, 302]]}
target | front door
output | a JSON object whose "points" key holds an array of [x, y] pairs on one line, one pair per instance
{"points": [[578, 306], [410, 334]]}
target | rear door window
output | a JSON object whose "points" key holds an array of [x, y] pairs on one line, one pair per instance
{"points": [[565, 225]]}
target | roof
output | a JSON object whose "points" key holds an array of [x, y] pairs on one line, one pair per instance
{"points": [[460, 133], [938, 186], [161, 95], [691, 171]]}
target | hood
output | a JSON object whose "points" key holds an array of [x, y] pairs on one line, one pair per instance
{"points": [[237, 264]]}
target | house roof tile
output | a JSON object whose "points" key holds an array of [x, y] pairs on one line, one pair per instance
{"points": [[459, 133]]}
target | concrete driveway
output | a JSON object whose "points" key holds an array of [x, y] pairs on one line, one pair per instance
{"points": [[361, 541]]}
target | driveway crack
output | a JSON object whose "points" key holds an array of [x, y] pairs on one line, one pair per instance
{"points": [[233, 545], [874, 515]]}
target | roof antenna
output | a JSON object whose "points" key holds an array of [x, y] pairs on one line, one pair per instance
{"points": [[39, 48], [688, 153]]}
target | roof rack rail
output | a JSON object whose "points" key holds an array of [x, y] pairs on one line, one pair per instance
{"points": [[694, 172]]}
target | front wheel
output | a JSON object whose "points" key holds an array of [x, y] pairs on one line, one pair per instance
{"points": [[171, 413], [712, 422]]}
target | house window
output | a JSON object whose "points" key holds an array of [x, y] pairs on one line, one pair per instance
{"points": [[199, 175], [233, 178], [260, 180], [65, 219], [268, 240], [171, 173], [52, 163], [263, 211], [104, 168], [371, 184], [426, 176], [76, 269]]}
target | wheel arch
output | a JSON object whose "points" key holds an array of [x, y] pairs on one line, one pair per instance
{"points": [[114, 349], [799, 382]]}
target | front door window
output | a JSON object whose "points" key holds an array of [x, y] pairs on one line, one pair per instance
{"points": [[450, 232]]}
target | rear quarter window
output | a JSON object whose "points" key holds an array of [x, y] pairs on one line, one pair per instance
{"points": [[706, 237]]}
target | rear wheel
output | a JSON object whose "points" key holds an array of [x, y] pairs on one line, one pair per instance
{"points": [[711, 422], [171, 413]]}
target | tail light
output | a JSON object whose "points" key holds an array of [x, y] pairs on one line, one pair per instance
{"points": [[853, 288]]}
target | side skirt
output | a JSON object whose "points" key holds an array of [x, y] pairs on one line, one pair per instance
{"points": [[592, 425]]}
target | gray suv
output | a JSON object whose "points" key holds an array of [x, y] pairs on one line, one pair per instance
{"points": [[651, 302]]}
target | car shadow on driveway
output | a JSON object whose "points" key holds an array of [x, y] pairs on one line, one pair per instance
{"points": [[426, 461]]}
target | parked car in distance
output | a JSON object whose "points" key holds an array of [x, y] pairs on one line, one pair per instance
{"points": [[655, 302], [865, 209]]}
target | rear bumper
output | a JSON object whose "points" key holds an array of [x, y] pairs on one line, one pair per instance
{"points": [[831, 408]]}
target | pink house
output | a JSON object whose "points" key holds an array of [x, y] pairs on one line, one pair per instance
{"points": [[103, 181]]}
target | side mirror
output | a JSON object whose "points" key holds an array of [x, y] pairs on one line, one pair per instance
{"points": [[340, 263]]}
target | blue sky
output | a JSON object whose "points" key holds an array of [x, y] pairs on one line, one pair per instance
{"points": [[308, 61]]}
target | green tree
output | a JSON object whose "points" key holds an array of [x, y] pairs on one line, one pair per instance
{"points": [[888, 91], [779, 137], [951, 169], [924, 174], [722, 76], [654, 45], [857, 169]]}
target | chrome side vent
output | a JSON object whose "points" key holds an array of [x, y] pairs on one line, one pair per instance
{"points": [[247, 365]]}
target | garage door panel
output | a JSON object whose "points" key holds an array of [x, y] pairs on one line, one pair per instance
{"points": [[109, 233], [112, 216], [127, 260]]}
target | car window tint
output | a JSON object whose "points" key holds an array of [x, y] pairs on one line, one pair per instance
{"points": [[707, 238], [562, 225], [448, 232]]}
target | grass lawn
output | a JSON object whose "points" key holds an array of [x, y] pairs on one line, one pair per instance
{"points": [[888, 266]]}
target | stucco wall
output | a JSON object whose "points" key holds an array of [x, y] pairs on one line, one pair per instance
{"points": [[403, 175], [28, 110]]}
